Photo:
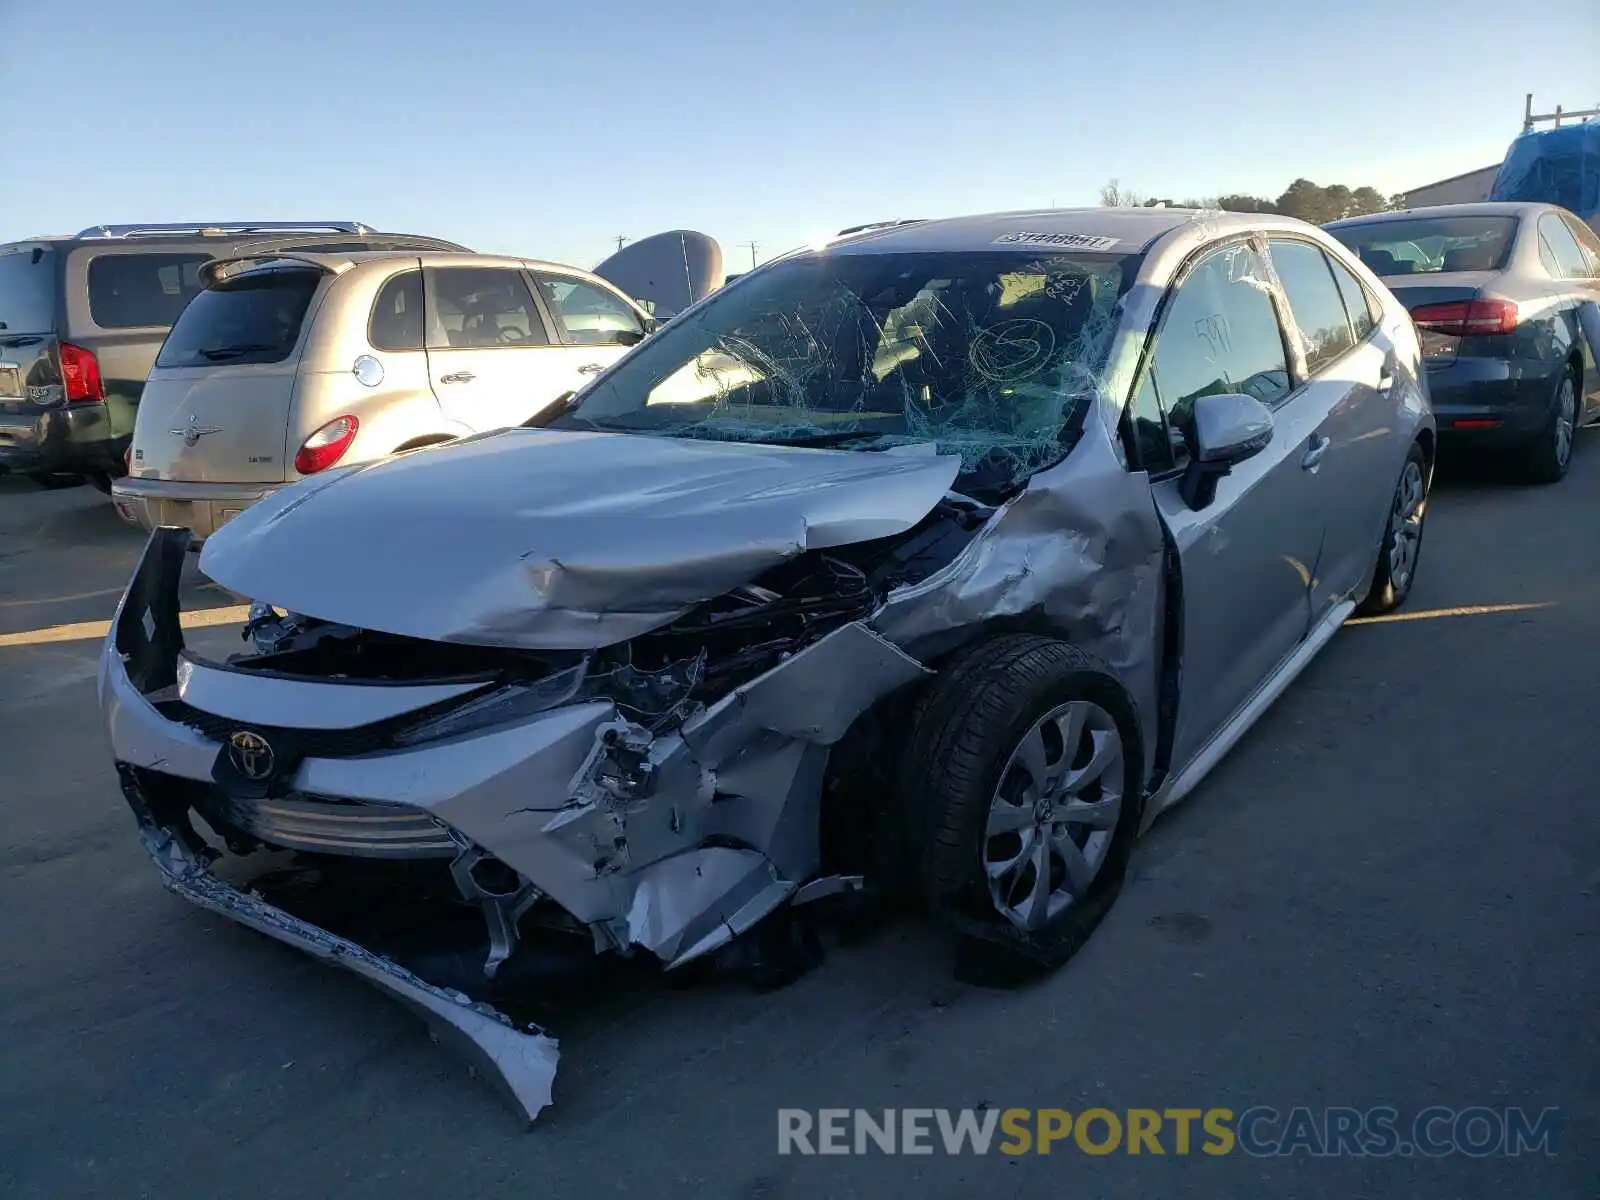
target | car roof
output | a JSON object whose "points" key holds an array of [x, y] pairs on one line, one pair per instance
{"points": [[1130, 230], [339, 262], [1485, 208]]}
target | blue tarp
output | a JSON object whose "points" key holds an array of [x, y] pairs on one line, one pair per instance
{"points": [[1554, 166]]}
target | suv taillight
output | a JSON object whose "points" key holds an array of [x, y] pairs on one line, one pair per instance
{"points": [[80, 373], [1465, 317], [326, 446]]}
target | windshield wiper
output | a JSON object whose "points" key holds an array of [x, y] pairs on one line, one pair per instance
{"points": [[233, 351], [559, 407]]}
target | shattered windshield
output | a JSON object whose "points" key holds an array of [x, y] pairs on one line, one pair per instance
{"points": [[988, 355]]}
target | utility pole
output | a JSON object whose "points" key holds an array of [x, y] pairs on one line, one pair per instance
{"points": [[621, 238], [753, 246]]}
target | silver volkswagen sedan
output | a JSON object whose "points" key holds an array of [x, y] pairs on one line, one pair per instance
{"points": [[936, 561]]}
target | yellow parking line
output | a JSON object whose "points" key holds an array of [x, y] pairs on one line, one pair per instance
{"points": [[1467, 610], [80, 631], [111, 591]]}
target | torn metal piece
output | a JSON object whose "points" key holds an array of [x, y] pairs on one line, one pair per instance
{"points": [[828, 885], [503, 896], [812, 696], [521, 1065], [688, 905]]}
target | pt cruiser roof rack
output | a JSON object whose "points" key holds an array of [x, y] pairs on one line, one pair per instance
{"points": [[222, 228]]}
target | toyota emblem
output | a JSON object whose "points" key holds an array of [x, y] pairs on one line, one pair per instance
{"points": [[251, 756]]}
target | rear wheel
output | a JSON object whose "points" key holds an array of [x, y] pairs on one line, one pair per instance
{"points": [[1402, 539], [1549, 457], [101, 482], [1021, 801]]}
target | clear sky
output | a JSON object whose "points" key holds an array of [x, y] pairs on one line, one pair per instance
{"points": [[547, 128]]}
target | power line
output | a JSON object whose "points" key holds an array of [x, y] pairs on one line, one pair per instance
{"points": [[620, 239]]}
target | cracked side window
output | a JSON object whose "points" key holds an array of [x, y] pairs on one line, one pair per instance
{"points": [[1220, 335], [989, 355]]}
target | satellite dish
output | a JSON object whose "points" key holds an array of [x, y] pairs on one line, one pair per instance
{"points": [[667, 272]]}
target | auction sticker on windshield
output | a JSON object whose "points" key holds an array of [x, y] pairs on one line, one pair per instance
{"points": [[1072, 241]]}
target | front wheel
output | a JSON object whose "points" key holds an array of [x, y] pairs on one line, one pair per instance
{"points": [[1022, 799], [1402, 539]]}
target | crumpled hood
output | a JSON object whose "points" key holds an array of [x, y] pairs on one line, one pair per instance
{"points": [[547, 539]]}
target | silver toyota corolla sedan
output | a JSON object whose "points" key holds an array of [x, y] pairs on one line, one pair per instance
{"points": [[936, 561]]}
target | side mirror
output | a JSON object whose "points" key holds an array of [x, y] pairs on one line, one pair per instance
{"points": [[629, 337], [1228, 429]]}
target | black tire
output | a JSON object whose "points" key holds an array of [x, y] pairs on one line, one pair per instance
{"points": [[1385, 594], [101, 482], [963, 732], [1544, 462], [53, 481]]}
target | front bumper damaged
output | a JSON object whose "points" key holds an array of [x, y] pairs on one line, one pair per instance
{"points": [[521, 1064], [676, 842]]}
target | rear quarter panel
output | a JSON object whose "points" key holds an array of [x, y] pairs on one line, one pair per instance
{"points": [[399, 409]]}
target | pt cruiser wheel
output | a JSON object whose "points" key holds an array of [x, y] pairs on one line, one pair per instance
{"points": [[1021, 801]]}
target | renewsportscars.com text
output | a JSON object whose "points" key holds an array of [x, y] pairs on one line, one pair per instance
{"points": [[1260, 1131]]}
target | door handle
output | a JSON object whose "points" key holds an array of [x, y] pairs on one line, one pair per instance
{"points": [[1314, 452], [458, 377], [591, 369]]}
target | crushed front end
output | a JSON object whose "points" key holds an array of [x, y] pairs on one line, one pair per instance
{"points": [[438, 817]]}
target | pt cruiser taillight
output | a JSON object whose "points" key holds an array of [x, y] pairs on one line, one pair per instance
{"points": [[326, 446]]}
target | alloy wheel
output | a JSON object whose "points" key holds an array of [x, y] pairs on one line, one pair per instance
{"points": [[1410, 504], [1566, 420], [1054, 814]]}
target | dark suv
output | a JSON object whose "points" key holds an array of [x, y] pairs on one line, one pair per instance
{"points": [[82, 317]]}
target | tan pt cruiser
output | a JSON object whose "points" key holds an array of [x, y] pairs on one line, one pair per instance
{"points": [[283, 366]]}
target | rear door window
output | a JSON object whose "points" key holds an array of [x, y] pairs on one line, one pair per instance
{"points": [[1358, 302], [1588, 243], [397, 314], [128, 291], [589, 315], [1559, 250], [483, 308], [1314, 300], [251, 318], [28, 291]]}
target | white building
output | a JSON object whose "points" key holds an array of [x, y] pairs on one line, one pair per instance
{"points": [[1458, 189]]}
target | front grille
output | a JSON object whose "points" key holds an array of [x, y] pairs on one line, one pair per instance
{"points": [[322, 825]]}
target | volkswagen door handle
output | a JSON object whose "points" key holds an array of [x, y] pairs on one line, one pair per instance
{"points": [[591, 369], [458, 377], [1314, 452]]}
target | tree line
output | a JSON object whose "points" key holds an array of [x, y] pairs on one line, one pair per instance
{"points": [[1303, 199]]}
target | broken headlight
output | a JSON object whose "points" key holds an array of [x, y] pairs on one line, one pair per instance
{"points": [[499, 707]]}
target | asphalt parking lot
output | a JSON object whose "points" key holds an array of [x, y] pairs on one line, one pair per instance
{"points": [[1388, 894]]}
